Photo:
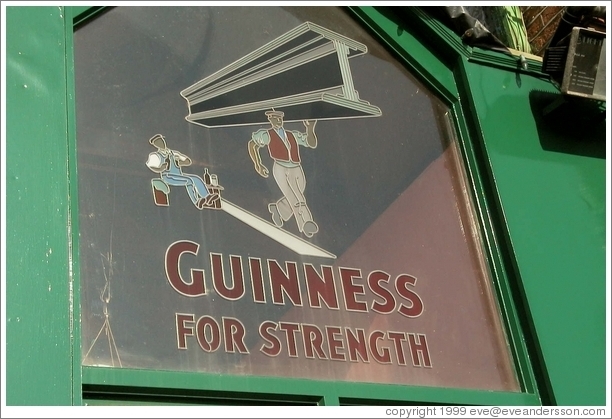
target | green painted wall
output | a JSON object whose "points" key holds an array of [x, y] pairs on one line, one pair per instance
{"points": [[38, 337]]}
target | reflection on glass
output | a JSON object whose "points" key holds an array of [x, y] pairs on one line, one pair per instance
{"points": [[199, 253]]}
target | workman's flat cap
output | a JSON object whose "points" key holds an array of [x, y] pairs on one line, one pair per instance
{"points": [[275, 113]]}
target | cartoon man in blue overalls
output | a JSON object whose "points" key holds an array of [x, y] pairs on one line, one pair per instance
{"points": [[168, 163]]}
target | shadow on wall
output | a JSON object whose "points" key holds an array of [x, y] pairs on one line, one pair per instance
{"points": [[568, 124]]}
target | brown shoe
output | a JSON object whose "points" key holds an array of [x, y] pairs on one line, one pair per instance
{"points": [[211, 199], [208, 202]]}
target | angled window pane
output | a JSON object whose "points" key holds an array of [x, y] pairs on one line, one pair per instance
{"points": [[340, 247]]}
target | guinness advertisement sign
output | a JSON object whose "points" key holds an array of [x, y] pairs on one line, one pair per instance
{"points": [[267, 191]]}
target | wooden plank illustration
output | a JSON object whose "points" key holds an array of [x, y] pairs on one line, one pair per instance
{"points": [[291, 241]]}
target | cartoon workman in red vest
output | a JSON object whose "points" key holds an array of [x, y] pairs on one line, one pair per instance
{"points": [[283, 146]]}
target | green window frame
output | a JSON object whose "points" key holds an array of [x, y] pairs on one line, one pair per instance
{"points": [[101, 383], [429, 50]]}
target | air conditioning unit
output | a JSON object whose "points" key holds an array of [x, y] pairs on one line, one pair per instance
{"points": [[578, 63]]}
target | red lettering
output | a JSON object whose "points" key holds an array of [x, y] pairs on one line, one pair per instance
{"points": [[350, 289], [417, 348], [374, 280], [384, 357], [275, 346], [282, 283], [321, 287], [237, 290], [313, 341], [183, 331], [233, 332], [173, 256], [333, 343], [416, 304], [397, 338], [356, 345], [290, 329], [257, 280], [209, 342]]}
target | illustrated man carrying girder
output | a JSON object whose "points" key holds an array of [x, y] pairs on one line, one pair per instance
{"points": [[283, 146]]}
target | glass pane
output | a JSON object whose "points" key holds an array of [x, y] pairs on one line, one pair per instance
{"points": [[207, 244]]}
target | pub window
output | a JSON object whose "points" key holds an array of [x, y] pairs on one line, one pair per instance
{"points": [[267, 191]]}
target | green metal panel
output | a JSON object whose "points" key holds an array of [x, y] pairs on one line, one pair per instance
{"points": [[509, 306], [424, 64], [82, 13], [329, 393], [73, 205], [38, 316], [551, 188]]}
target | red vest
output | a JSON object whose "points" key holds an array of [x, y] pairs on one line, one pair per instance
{"points": [[277, 148]]}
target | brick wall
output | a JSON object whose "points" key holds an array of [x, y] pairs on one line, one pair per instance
{"points": [[541, 23]]}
